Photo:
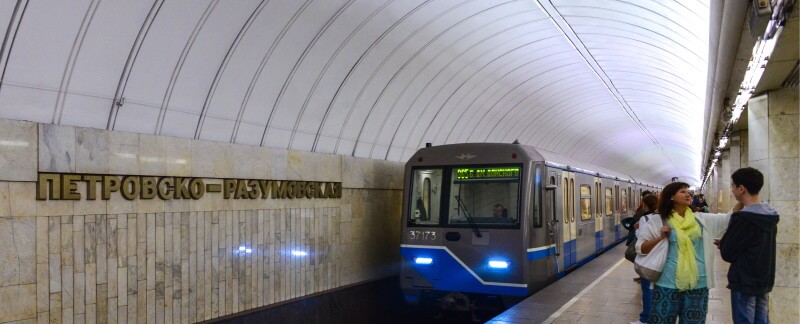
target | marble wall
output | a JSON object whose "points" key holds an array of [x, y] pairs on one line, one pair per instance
{"points": [[182, 260], [774, 148]]}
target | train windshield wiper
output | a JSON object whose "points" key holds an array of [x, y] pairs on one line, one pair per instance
{"points": [[469, 217]]}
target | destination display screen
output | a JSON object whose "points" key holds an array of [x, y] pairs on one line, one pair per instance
{"points": [[493, 174]]}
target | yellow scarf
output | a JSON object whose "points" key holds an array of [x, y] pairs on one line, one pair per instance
{"points": [[686, 230]]}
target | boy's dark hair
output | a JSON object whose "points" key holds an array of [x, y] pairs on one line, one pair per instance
{"points": [[646, 192], [750, 178]]}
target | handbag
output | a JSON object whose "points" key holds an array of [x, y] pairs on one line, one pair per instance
{"points": [[649, 266], [630, 252]]}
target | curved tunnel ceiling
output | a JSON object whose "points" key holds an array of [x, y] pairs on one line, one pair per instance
{"points": [[620, 84]]}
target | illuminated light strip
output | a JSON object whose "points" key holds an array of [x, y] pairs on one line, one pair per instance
{"points": [[541, 248], [759, 59], [464, 265]]}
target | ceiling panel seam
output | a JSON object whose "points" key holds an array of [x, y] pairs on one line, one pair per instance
{"points": [[454, 91], [380, 67], [223, 65], [457, 89], [587, 96], [119, 93], [293, 71], [74, 52], [321, 74], [444, 68], [353, 68], [263, 63], [576, 42], [550, 83], [296, 66], [481, 94], [509, 92], [179, 66], [14, 22], [408, 62]]}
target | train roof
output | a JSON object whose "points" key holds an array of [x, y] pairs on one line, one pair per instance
{"points": [[551, 159]]}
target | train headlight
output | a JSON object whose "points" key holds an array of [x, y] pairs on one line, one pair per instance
{"points": [[424, 261], [495, 264]]}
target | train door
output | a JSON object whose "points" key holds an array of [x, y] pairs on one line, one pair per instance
{"points": [[553, 224], [616, 211], [597, 203], [570, 233], [584, 216], [608, 212]]}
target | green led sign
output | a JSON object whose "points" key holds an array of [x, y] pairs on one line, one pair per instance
{"points": [[487, 174]]}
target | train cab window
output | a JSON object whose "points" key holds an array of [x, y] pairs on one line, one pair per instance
{"points": [[425, 196], [609, 202], [624, 201], [485, 195], [586, 202]]}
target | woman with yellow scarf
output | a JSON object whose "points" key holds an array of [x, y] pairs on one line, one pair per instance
{"points": [[682, 290]]}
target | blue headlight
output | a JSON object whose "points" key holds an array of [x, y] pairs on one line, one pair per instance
{"points": [[423, 260], [498, 264]]}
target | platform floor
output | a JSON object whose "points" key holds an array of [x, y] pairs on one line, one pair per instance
{"points": [[603, 292]]}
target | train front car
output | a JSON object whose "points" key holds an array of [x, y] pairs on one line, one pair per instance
{"points": [[467, 222]]}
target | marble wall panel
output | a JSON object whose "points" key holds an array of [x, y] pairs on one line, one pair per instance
{"points": [[152, 155], [202, 160], [123, 154], [781, 186], [17, 237], [21, 198], [56, 148], [358, 172], [91, 151], [784, 102], [784, 305], [758, 128], [784, 142], [245, 162], [19, 147], [303, 165], [19, 303], [179, 156], [789, 224], [787, 270]]}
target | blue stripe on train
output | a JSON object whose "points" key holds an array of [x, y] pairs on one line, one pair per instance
{"points": [[598, 241], [454, 276], [541, 254]]}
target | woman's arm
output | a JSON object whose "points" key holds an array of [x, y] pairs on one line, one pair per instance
{"points": [[648, 246]]}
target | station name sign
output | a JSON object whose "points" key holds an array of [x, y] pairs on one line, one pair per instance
{"points": [[65, 186]]}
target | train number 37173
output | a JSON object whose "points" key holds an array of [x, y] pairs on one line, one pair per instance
{"points": [[422, 235]]}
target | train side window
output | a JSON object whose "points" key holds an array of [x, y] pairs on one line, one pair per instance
{"points": [[586, 202], [425, 196], [624, 201], [609, 202]]}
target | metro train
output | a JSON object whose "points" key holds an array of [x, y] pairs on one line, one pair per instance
{"points": [[504, 220]]}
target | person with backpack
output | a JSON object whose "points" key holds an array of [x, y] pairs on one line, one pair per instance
{"points": [[647, 210]]}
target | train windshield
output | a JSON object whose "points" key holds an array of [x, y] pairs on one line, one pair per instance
{"points": [[484, 195]]}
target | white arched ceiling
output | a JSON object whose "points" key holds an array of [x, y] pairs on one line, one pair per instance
{"points": [[616, 83]]}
